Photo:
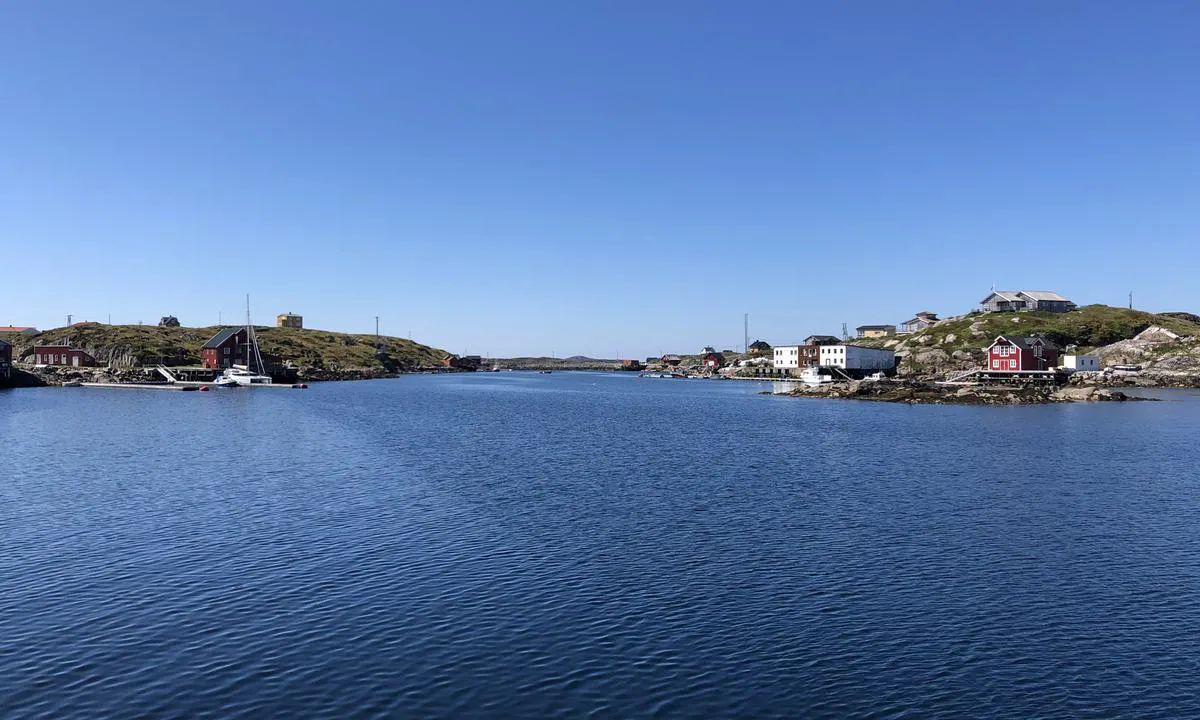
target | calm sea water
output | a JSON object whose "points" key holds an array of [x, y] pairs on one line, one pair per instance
{"points": [[587, 545]]}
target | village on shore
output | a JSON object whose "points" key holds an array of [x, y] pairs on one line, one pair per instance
{"points": [[1013, 340], [932, 359]]}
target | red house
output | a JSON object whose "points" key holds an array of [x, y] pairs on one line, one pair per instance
{"points": [[1012, 353], [62, 355], [224, 349], [714, 360], [5, 360]]}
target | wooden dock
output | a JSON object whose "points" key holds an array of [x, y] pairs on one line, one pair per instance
{"points": [[145, 386]]}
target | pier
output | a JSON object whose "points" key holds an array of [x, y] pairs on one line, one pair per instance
{"points": [[179, 387]]}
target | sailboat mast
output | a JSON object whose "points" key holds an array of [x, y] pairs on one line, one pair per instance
{"points": [[252, 342]]}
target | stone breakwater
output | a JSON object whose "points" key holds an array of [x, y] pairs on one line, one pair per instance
{"points": [[915, 392]]}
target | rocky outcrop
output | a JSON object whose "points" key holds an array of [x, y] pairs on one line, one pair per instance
{"points": [[916, 392]]}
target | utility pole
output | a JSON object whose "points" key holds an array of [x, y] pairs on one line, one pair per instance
{"points": [[1130, 299], [746, 333], [376, 328]]}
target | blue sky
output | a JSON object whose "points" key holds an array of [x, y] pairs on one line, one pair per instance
{"points": [[593, 177]]}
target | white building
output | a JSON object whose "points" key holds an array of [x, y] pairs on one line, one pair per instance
{"points": [[787, 357], [854, 357], [1083, 363]]}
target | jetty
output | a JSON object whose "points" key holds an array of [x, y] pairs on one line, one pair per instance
{"points": [[179, 387]]}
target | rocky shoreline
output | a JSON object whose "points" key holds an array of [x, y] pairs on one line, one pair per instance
{"points": [[927, 393], [56, 375]]}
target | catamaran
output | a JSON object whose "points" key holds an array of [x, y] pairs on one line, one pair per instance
{"points": [[246, 375]]}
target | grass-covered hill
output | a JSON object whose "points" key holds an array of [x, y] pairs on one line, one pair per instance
{"points": [[149, 345], [1087, 328]]}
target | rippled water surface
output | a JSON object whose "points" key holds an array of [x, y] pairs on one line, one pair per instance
{"points": [[572, 545]]}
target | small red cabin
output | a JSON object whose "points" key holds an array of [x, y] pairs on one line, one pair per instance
{"points": [[714, 360], [62, 355], [1010, 353]]}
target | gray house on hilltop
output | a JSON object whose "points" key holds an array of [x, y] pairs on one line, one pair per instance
{"points": [[1025, 301]]}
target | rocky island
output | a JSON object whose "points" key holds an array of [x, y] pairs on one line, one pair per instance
{"points": [[129, 353], [931, 393]]}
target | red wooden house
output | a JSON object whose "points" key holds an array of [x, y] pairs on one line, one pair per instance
{"points": [[224, 349], [1013, 353], [714, 360], [62, 355]]}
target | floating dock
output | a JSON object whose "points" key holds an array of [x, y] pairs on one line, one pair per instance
{"points": [[184, 386], [144, 386]]}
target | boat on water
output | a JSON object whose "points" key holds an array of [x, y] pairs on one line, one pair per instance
{"points": [[241, 375], [813, 377], [73, 383]]}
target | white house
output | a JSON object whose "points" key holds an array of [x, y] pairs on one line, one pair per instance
{"points": [[1081, 363], [854, 357]]}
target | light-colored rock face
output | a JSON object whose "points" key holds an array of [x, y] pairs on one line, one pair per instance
{"points": [[931, 357], [1156, 334], [1125, 352], [1178, 363], [1076, 393], [976, 328], [950, 338]]}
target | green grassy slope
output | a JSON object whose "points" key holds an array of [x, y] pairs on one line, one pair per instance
{"points": [[149, 345], [1087, 327]]}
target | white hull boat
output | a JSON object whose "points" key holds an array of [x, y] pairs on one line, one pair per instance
{"points": [[813, 377]]}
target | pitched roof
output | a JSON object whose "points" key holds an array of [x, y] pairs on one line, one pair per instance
{"points": [[875, 327], [1008, 295], [14, 329], [221, 338], [1044, 295], [1026, 342]]}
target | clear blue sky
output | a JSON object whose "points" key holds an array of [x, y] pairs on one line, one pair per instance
{"points": [[593, 177]]}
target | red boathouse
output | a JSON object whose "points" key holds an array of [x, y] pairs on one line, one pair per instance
{"points": [[1012, 353]]}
